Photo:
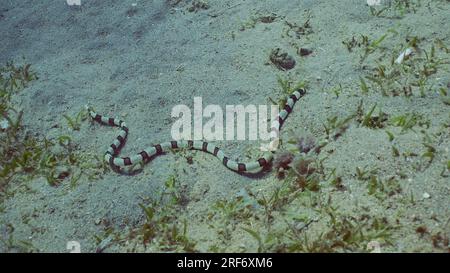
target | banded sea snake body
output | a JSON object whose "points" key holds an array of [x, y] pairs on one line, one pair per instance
{"points": [[116, 162]]}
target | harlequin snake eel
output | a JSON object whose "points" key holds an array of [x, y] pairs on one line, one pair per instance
{"points": [[118, 163]]}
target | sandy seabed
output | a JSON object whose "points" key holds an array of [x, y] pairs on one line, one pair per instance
{"points": [[138, 59]]}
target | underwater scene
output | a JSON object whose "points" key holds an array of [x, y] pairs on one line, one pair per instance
{"points": [[232, 126]]}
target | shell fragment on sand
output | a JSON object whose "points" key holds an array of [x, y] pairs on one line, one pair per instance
{"points": [[404, 55], [4, 124]]}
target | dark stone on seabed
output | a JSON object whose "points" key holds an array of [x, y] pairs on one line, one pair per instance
{"points": [[282, 60], [304, 51]]}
